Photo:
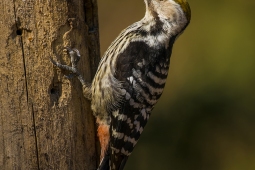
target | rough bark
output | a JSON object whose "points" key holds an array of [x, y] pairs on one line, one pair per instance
{"points": [[45, 122]]}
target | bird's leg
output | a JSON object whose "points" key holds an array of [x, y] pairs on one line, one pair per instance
{"points": [[75, 58]]}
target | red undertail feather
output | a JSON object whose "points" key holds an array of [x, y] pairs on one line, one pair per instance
{"points": [[104, 137]]}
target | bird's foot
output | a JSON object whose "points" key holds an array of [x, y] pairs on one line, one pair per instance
{"points": [[75, 57]]}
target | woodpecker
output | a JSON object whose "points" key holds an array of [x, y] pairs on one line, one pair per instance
{"points": [[131, 77]]}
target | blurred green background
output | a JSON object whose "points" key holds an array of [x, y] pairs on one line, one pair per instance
{"points": [[205, 119]]}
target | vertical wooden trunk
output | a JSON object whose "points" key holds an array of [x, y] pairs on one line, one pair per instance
{"points": [[45, 122]]}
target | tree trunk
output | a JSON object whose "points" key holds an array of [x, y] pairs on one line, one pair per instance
{"points": [[45, 122]]}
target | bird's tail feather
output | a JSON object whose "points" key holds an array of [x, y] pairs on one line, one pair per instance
{"points": [[113, 162], [104, 164], [122, 163]]}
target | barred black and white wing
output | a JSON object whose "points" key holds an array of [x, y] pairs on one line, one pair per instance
{"points": [[142, 72]]}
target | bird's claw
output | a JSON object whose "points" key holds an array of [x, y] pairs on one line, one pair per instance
{"points": [[75, 58], [74, 54]]}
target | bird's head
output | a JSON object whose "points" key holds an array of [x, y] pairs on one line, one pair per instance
{"points": [[185, 8], [173, 10]]}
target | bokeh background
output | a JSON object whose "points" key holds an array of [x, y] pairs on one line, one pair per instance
{"points": [[205, 119]]}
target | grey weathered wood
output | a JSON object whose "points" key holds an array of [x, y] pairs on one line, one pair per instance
{"points": [[45, 122]]}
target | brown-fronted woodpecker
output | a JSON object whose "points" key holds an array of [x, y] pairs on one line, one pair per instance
{"points": [[131, 77]]}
